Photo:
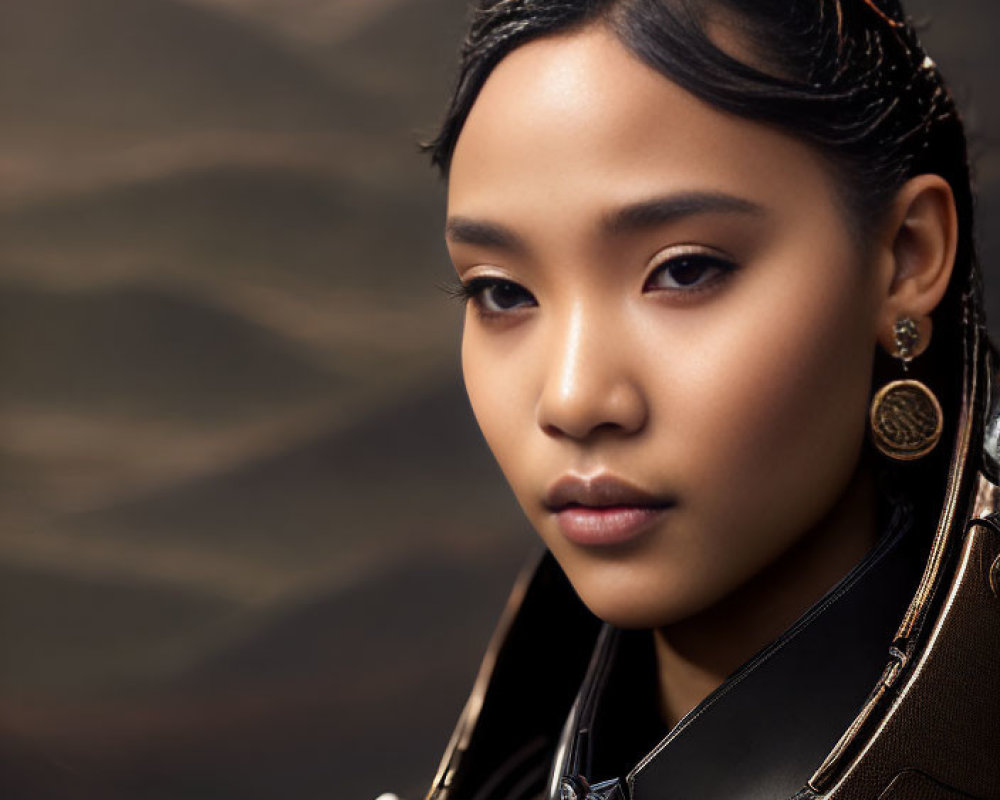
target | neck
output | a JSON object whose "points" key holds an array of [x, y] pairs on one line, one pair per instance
{"points": [[695, 655]]}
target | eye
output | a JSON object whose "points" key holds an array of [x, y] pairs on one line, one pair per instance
{"points": [[689, 271], [496, 295]]}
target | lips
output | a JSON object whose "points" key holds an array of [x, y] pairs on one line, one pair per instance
{"points": [[603, 510]]}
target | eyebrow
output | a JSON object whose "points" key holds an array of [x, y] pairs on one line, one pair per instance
{"points": [[631, 218], [662, 210], [463, 230]]}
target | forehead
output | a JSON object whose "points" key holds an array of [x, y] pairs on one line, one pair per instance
{"points": [[578, 118]]}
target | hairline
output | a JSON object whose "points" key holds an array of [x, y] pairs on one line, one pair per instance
{"points": [[860, 225]]}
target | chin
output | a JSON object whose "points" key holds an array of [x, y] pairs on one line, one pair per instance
{"points": [[628, 606], [633, 617]]}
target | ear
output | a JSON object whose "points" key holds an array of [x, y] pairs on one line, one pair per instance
{"points": [[920, 239]]}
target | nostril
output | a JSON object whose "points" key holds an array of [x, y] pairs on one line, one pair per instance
{"points": [[583, 431], [610, 410]]}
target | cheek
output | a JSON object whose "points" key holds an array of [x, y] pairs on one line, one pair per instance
{"points": [[789, 390], [497, 375]]}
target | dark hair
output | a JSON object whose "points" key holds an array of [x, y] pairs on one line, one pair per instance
{"points": [[848, 76]]}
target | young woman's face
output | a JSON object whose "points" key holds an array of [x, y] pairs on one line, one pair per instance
{"points": [[670, 344]]}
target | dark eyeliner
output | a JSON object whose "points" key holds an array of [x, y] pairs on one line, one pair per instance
{"points": [[474, 289], [464, 291], [723, 267]]}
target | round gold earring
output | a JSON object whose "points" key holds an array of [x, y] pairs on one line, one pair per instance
{"points": [[905, 416]]}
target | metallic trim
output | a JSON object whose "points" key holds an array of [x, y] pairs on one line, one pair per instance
{"points": [[566, 763], [829, 767], [957, 586], [459, 741], [946, 522], [987, 498]]}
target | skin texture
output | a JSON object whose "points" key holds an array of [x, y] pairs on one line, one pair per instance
{"points": [[718, 357]]}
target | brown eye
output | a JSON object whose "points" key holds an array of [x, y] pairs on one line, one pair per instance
{"points": [[497, 296], [689, 272]]}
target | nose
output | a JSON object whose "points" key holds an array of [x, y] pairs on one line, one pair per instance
{"points": [[588, 385]]}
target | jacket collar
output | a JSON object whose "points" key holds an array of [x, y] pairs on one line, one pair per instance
{"points": [[764, 731]]}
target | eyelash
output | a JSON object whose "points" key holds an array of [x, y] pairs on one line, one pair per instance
{"points": [[706, 260], [474, 289]]}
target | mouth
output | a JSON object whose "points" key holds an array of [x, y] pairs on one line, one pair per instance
{"points": [[604, 510]]}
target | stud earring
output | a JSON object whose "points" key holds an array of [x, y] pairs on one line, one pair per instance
{"points": [[905, 416]]}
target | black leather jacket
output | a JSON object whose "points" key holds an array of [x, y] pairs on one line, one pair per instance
{"points": [[887, 689]]}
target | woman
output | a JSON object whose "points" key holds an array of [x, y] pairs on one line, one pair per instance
{"points": [[724, 337]]}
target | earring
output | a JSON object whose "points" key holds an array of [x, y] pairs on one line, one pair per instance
{"points": [[905, 416]]}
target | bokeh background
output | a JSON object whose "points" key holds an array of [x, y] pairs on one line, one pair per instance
{"points": [[251, 544]]}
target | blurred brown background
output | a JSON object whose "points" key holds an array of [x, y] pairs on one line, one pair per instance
{"points": [[251, 543]]}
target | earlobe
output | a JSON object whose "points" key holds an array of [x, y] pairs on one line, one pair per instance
{"points": [[923, 234]]}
